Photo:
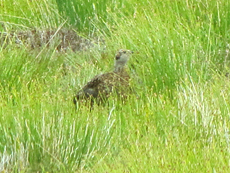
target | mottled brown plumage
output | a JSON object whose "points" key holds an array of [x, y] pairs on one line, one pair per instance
{"points": [[102, 86]]}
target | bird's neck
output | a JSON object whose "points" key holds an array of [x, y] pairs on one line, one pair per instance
{"points": [[119, 68]]}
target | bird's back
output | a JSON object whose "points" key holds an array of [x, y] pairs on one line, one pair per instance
{"points": [[102, 86]]}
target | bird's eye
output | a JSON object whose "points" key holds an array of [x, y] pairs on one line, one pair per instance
{"points": [[118, 57], [124, 52]]}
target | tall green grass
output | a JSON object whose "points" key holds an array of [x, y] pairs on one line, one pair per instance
{"points": [[176, 122], [17, 15], [83, 14]]}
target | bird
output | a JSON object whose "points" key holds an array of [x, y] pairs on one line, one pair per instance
{"points": [[102, 86]]}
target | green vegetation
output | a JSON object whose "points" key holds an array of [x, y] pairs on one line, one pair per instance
{"points": [[178, 123]]}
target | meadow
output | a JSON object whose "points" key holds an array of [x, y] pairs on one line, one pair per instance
{"points": [[178, 120]]}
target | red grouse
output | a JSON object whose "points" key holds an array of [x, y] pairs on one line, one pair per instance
{"points": [[102, 86]]}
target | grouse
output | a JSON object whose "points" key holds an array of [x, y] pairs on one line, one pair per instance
{"points": [[102, 86]]}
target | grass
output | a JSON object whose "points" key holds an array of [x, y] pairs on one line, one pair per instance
{"points": [[178, 123]]}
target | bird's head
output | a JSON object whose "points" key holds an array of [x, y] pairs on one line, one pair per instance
{"points": [[122, 58]]}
